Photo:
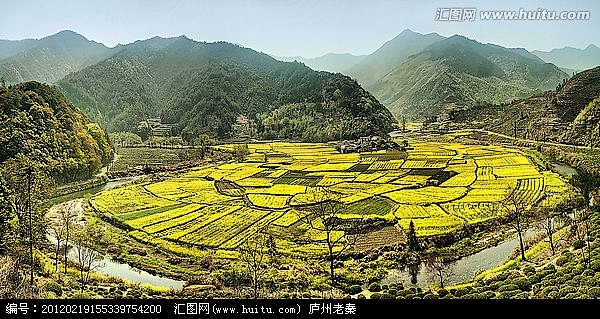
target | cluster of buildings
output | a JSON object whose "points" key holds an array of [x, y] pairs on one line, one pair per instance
{"points": [[369, 144]]}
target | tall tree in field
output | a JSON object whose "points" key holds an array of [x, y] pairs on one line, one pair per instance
{"points": [[253, 252], [204, 142], [411, 258], [403, 123], [586, 182], [325, 225], [29, 187], [517, 213], [241, 151], [439, 264], [57, 230], [411, 238], [66, 218]]}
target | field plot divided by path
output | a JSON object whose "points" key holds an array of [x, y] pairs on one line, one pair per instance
{"points": [[438, 186]]}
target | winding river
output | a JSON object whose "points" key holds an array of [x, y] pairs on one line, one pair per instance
{"points": [[107, 266], [465, 268]]}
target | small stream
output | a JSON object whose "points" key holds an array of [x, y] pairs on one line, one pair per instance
{"points": [[465, 268], [107, 266], [124, 271]]}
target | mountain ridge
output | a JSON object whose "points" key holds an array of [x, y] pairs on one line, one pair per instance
{"points": [[461, 72], [572, 58], [51, 58], [203, 87]]}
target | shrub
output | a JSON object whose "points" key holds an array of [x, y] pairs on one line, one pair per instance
{"points": [[48, 295], [361, 296], [578, 244], [550, 267], [523, 283], [509, 294], [374, 287], [375, 295], [508, 287], [385, 295], [522, 295], [54, 287], [488, 294], [572, 295], [442, 292], [562, 260], [430, 296], [354, 289], [392, 292], [594, 292]]}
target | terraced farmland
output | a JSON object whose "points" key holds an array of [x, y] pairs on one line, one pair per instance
{"points": [[438, 186]]}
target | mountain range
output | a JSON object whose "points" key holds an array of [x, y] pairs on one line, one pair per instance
{"points": [[49, 59], [201, 87], [205, 87], [420, 75], [572, 58]]}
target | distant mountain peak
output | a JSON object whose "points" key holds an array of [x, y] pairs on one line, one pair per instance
{"points": [[591, 47], [66, 34]]}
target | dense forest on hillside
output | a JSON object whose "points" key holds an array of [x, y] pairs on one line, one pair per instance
{"points": [[204, 87], [40, 123], [568, 114]]}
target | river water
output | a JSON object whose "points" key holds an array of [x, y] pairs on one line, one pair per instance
{"points": [[107, 266], [465, 268], [124, 271]]}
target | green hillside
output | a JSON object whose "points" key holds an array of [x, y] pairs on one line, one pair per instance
{"points": [[40, 123], [568, 114], [204, 87], [459, 72]]}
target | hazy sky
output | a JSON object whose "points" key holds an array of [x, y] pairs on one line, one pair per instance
{"points": [[307, 28]]}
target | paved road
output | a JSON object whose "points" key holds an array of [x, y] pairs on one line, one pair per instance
{"points": [[534, 141], [396, 133]]}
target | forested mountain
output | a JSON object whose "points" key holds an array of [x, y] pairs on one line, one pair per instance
{"points": [[9, 48], [569, 114], [460, 72], [331, 62], [572, 58], [37, 121], [204, 87], [390, 55], [48, 59]]}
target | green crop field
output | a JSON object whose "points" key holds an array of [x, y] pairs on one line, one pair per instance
{"points": [[438, 186]]}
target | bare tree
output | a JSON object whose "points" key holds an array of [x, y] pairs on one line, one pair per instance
{"points": [[254, 252], [322, 218], [85, 239], [57, 230], [517, 213], [581, 224], [67, 218], [439, 263]]}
